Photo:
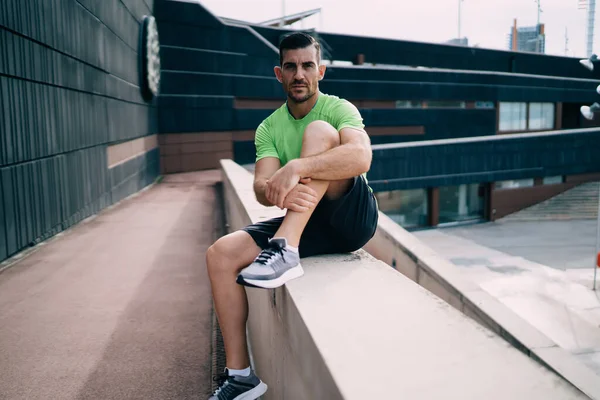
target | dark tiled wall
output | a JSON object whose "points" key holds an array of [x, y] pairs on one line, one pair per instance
{"points": [[69, 87]]}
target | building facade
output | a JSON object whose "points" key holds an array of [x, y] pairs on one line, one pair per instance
{"points": [[92, 111], [448, 123], [530, 39]]}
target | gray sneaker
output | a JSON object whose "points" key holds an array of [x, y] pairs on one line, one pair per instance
{"points": [[273, 267], [238, 387]]}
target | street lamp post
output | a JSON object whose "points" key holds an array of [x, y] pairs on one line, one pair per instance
{"points": [[596, 256], [282, 22]]}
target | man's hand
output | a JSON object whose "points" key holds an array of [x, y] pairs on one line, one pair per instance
{"points": [[302, 198], [281, 184]]}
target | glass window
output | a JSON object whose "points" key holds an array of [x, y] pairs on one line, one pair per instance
{"points": [[408, 208], [446, 104], [461, 203], [513, 117], [408, 104], [553, 180], [517, 183], [541, 116]]}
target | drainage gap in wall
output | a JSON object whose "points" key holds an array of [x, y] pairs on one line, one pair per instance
{"points": [[217, 346]]}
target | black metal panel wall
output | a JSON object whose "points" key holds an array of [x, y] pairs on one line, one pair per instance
{"points": [[415, 86], [69, 87], [207, 64], [400, 52], [491, 159], [134, 174]]}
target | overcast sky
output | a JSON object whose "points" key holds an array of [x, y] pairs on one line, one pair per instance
{"points": [[486, 23]]}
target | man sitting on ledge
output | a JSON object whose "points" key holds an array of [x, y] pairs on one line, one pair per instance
{"points": [[312, 158]]}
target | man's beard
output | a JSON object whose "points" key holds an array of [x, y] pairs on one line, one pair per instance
{"points": [[304, 99]]}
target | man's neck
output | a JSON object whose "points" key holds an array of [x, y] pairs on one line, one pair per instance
{"points": [[301, 110]]}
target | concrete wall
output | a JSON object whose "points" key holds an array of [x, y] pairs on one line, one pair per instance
{"points": [[408, 255], [69, 96], [354, 328]]}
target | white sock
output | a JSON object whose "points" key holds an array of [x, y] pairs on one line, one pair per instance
{"points": [[292, 249], [239, 372], [288, 246]]}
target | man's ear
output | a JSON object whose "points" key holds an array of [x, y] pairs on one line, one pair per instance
{"points": [[322, 69], [278, 73]]}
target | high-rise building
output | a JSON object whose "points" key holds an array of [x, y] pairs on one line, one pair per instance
{"points": [[528, 38], [459, 41]]}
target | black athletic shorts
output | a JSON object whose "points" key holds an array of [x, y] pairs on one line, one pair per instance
{"points": [[336, 226]]}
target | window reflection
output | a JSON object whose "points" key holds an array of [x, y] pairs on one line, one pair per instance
{"points": [[541, 116], [514, 117], [408, 208], [461, 203]]}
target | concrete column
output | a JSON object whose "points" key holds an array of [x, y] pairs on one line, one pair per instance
{"points": [[558, 112], [433, 205], [490, 211]]}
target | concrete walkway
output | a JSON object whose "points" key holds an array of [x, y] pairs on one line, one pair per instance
{"points": [[119, 307], [559, 303]]}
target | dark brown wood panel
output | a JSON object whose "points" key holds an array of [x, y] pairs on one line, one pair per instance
{"points": [[256, 104], [173, 138], [433, 206], [192, 162], [558, 116], [186, 152], [395, 130], [583, 178], [508, 201], [243, 136]]}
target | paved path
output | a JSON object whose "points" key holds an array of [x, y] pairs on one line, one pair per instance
{"points": [[118, 307], [559, 303], [556, 244]]}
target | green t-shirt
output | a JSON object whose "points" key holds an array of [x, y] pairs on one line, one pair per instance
{"points": [[280, 135]]}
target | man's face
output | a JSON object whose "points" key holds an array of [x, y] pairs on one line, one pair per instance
{"points": [[300, 73]]}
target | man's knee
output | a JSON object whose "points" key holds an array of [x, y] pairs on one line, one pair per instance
{"points": [[231, 253], [319, 136], [217, 255]]}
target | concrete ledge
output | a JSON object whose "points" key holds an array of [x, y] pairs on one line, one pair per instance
{"points": [[395, 246], [354, 328]]}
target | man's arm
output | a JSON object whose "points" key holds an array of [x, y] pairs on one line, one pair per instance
{"points": [[263, 170], [351, 158]]}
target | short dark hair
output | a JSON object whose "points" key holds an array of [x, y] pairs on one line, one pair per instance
{"points": [[298, 40]]}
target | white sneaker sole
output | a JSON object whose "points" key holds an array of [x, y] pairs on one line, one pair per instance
{"points": [[254, 393], [287, 276]]}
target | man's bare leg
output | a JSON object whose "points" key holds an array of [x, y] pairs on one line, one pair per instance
{"points": [[230, 254], [224, 260], [319, 137]]}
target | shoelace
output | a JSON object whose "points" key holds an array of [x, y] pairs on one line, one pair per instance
{"points": [[221, 379], [269, 253]]}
